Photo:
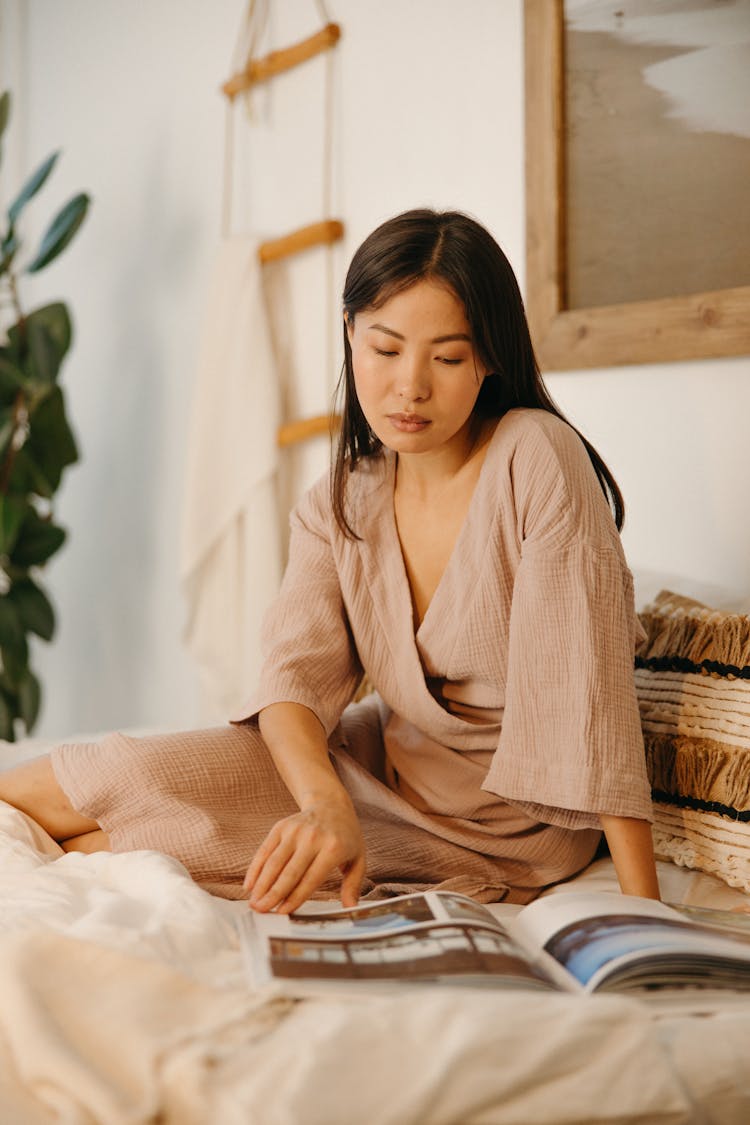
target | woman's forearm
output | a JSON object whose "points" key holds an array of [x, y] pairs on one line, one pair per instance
{"points": [[305, 849], [297, 743], [632, 850]]}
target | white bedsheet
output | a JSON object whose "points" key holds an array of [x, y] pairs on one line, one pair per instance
{"points": [[122, 1000]]}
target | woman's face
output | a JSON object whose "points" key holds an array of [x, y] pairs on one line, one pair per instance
{"points": [[416, 373]]}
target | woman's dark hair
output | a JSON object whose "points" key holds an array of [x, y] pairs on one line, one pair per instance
{"points": [[450, 247]]}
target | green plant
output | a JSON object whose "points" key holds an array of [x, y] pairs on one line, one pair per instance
{"points": [[36, 445]]}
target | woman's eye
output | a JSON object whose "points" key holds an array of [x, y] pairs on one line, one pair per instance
{"points": [[381, 351], [449, 362]]}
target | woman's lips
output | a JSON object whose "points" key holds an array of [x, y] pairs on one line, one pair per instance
{"points": [[409, 423]]}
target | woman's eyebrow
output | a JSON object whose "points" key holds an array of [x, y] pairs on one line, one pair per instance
{"points": [[437, 339], [388, 331]]}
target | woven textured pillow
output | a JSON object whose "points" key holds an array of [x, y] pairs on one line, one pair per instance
{"points": [[693, 686]]}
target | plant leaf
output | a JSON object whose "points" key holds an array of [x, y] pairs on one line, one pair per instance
{"points": [[44, 357], [7, 428], [31, 187], [55, 321], [4, 111], [8, 249], [15, 664], [26, 476], [12, 512], [13, 347], [60, 231], [7, 733], [29, 699], [12, 635], [37, 541], [35, 611], [50, 443], [38, 345], [11, 380]]}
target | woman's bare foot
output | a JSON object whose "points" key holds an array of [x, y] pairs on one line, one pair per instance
{"points": [[95, 841]]}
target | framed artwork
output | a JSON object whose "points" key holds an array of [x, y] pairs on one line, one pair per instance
{"points": [[637, 166]]}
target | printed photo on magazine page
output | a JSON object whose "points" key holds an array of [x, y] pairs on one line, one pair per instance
{"points": [[572, 942]]}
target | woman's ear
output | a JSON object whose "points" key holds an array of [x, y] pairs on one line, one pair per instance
{"points": [[349, 326], [482, 371]]}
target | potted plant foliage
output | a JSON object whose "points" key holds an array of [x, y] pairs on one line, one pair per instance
{"points": [[36, 445]]}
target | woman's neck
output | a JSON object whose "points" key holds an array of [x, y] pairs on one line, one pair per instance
{"points": [[426, 476]]}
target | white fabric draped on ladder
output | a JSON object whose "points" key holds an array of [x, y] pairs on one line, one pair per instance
{"points": [[231, 539]]}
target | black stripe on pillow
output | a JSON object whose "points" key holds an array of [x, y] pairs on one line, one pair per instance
{"points": [[700, 806], [680, 664]]}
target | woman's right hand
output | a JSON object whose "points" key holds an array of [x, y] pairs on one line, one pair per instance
{"points": [[301, 852]]}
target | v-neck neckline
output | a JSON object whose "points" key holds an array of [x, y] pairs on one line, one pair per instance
{"points": [[405, 593]]}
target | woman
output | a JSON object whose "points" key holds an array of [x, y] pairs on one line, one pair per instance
{"points": [[464, 557]]}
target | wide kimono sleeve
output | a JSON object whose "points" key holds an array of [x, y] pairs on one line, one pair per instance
{"points": [[309, 656], [571, 745]]}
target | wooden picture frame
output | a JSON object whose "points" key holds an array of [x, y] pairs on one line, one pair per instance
{"points": [[650, 331]]}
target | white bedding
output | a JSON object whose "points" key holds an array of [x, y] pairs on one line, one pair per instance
{"points": [[123, 1000]]}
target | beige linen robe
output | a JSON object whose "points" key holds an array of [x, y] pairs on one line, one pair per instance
{"points": [[496, 733]]}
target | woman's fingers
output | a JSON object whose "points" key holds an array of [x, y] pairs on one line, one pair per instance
{"points": [[277, 884], [301, 852], [281, 862], [261, 857], [282, 867], [351, 884], [316, 874]]}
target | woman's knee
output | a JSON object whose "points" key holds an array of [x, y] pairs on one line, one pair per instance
{"points": [[33, 788]]}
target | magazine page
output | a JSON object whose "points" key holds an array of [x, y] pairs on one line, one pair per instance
{"points": [[420, 937], [612, 941]]}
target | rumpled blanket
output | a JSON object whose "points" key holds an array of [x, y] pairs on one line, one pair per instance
{"points": [[123, 1002]]}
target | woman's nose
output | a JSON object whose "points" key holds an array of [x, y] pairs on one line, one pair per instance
{"points": [[413, 382]]}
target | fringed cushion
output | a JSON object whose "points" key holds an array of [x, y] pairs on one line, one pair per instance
{"points": [[693, 685]]}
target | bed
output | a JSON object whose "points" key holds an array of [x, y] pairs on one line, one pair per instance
{"points": [[124, 1000]]}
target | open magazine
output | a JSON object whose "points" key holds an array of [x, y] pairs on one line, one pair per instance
{"points": [[570, 942]]}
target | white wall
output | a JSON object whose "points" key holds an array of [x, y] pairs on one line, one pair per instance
{"points": [[676, 437], [429, 110]]}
